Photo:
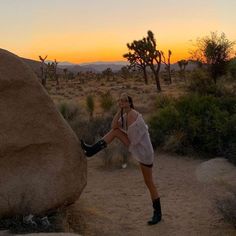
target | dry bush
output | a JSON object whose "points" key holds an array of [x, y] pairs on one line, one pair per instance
{"points": [[23, 224], [227, 208], [106, 101], [69, 110], [114, 155], [175, 143]]}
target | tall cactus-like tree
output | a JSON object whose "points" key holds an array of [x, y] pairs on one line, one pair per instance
{"points": [[55, 71], [146, 50], [65, 70], [107, 73], [51, 71], [136, 62], [182, 65], [43, 70], [90, 105], [167, 64]]}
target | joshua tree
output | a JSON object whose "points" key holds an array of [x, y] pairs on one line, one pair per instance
{"points": [[145, 50], [55, 71], [136, 62], [167, 65], [43, 70], [65, 70], [51, 71], [182, 65], [90, 105], [107, 73]]}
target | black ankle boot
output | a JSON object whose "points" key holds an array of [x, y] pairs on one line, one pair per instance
{"points": [[90, 150], [157, 212]]}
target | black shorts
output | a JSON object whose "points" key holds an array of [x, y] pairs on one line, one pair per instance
{"points": [[150, 166]]}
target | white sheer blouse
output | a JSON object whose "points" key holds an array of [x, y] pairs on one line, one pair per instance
{"points": [[140, 143]]}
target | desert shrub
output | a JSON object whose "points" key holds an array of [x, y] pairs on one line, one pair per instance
{"points": [[231, 131], [90, 130], [232, 68], [23, 224], [231, 152], [201, 83], [227, 208], [106, 101], [90, 105], [68, 110], [163, 101], [176, 143], [114, 155], [94, 129], [163, 123], [202, 121]]}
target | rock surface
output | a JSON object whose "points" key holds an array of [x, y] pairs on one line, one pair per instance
{"points": [[218, 171], [42, 166]]}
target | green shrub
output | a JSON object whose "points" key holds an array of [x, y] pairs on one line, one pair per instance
{"points": [[68, 110], [163, 123], [202, 121], [90, 105], [94, 129], [163, 100], [90, 130], [106, 101], [231, 132], [202, 83], [25, 224], [227, 208], [177, 143], [232, 68]]}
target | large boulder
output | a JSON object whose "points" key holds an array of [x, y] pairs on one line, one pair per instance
{"points": [[42, 166], [217, 171]]}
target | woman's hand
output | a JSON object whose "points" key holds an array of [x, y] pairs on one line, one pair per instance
{"points": [[115, 124]]}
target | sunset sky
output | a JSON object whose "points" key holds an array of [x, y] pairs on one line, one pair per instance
{"points": [[98, 30]]}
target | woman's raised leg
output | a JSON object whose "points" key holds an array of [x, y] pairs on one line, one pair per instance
{"points": [[91, 150], [116, 133]]}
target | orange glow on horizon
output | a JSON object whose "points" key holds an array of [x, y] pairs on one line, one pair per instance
{"points": [[90, 31], [103, 55]]}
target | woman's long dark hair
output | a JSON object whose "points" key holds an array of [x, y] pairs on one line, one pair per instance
{"points": [[130, 100]]}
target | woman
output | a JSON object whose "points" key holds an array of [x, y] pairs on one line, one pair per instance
{"points": [[129, 127]]}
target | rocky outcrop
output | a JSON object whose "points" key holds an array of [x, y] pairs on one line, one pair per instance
{"points": [[41, 164]]}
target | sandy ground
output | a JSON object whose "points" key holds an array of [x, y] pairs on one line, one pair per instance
{"points": [[116, 201]]}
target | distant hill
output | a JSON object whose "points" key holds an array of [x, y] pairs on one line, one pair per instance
{"points": [[36, 66], [96, 67]]}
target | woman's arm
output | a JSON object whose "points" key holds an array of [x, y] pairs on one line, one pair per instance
{"points": [[115, 123]]}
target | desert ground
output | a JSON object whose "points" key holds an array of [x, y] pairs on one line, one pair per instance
{"points": [[116, 201]]}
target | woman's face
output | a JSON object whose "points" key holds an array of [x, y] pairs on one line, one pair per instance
{"points": [[123, 102]]}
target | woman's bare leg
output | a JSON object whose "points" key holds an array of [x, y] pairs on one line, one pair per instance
{"points": [[148, 179], [116, 133]]}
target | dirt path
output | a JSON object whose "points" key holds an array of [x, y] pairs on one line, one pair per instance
{"points": [[116, 201]]}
